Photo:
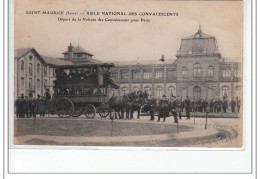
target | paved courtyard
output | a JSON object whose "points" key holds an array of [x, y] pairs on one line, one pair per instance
{"points": [[219, 132]]}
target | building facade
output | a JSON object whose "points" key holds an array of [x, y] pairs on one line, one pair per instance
{"points": [[199, 72]]}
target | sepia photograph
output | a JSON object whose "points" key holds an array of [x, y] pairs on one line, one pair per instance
{"points": [[152, 74]]}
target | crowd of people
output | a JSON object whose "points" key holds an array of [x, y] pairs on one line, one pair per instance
{"points": [[176, 106], [27, 107]]}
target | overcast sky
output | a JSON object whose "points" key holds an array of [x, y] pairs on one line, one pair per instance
{"points": [[113, 41]]}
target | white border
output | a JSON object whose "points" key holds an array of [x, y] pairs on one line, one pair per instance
{"points": [[28, 160]]}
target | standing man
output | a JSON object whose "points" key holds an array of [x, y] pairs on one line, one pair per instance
{"points": [[163, 108], [152, 104], [211, 105], [173, 107], [238, 105], [26, 106], [32, 107], [225, 105], [187, 105], [233, 106]]}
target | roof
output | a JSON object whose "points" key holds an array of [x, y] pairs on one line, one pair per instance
{"points": [[198, 44], [144, 62], [79, 49], [202, 36], [21, 52], [55, 61]]}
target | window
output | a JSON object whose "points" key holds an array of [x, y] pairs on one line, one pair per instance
{"points": [[53, 72], [22, 65], [196, 70], [45, 70], [236, 73], [158, 74], [225, 92], [171, 90], [147, 75], [210, 71], [22, 83], [38, 84], [226, 73], [184, 72], [159, 92], [30, 69], [30, 57], [136, 89], [30, 83], [38, 68], [124, 90], [196, 92], [45, 83], [135, 74], [124, 74], [148, 89]]}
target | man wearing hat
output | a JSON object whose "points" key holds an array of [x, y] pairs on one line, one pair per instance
{"points": [[187, 106], [163, 108], [151, 105]]}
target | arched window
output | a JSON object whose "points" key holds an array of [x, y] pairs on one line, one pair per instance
{"points": [[38, 84], [159, 92], [136, 89], [210, 71], [30, 83], [148, 90], [22, 83], [196, 92], [30, 69], [124, 90], [171, 90], [196, 70], [38, 68], [184, 72], [45, 70], [225, 92], [22, 65]]}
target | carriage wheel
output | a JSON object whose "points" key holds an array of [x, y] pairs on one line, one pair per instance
{"points": [[103, 111], [77, 112], [90, 111], [64, 107]]}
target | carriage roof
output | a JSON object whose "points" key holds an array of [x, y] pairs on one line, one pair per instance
{"points": [[87, 65]]}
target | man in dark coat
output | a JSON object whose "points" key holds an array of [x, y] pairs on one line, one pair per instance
{"points": [[211, 105], [152, 103], [163, 109], [32, 106], [187, 106], [224, 106], [174, 109], [26, 106], [238, 105], [233, 106]]}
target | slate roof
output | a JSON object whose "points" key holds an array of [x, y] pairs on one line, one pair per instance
{"points": [[55, 61], [198, 43], [79, 49], [21, 52]]}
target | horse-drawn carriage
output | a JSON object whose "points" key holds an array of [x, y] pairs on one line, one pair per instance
{"points": [[83, 89]]}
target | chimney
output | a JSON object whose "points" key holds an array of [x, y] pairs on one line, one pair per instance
{"points": [[70, 52]]}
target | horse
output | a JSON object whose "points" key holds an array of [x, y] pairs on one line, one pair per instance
{"points": [[128, 103]]}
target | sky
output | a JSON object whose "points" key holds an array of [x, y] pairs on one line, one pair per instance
{"points": [[125, 41]]}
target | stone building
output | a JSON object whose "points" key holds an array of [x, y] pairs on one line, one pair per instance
{"points": [[198, 72], [33, 73]]}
